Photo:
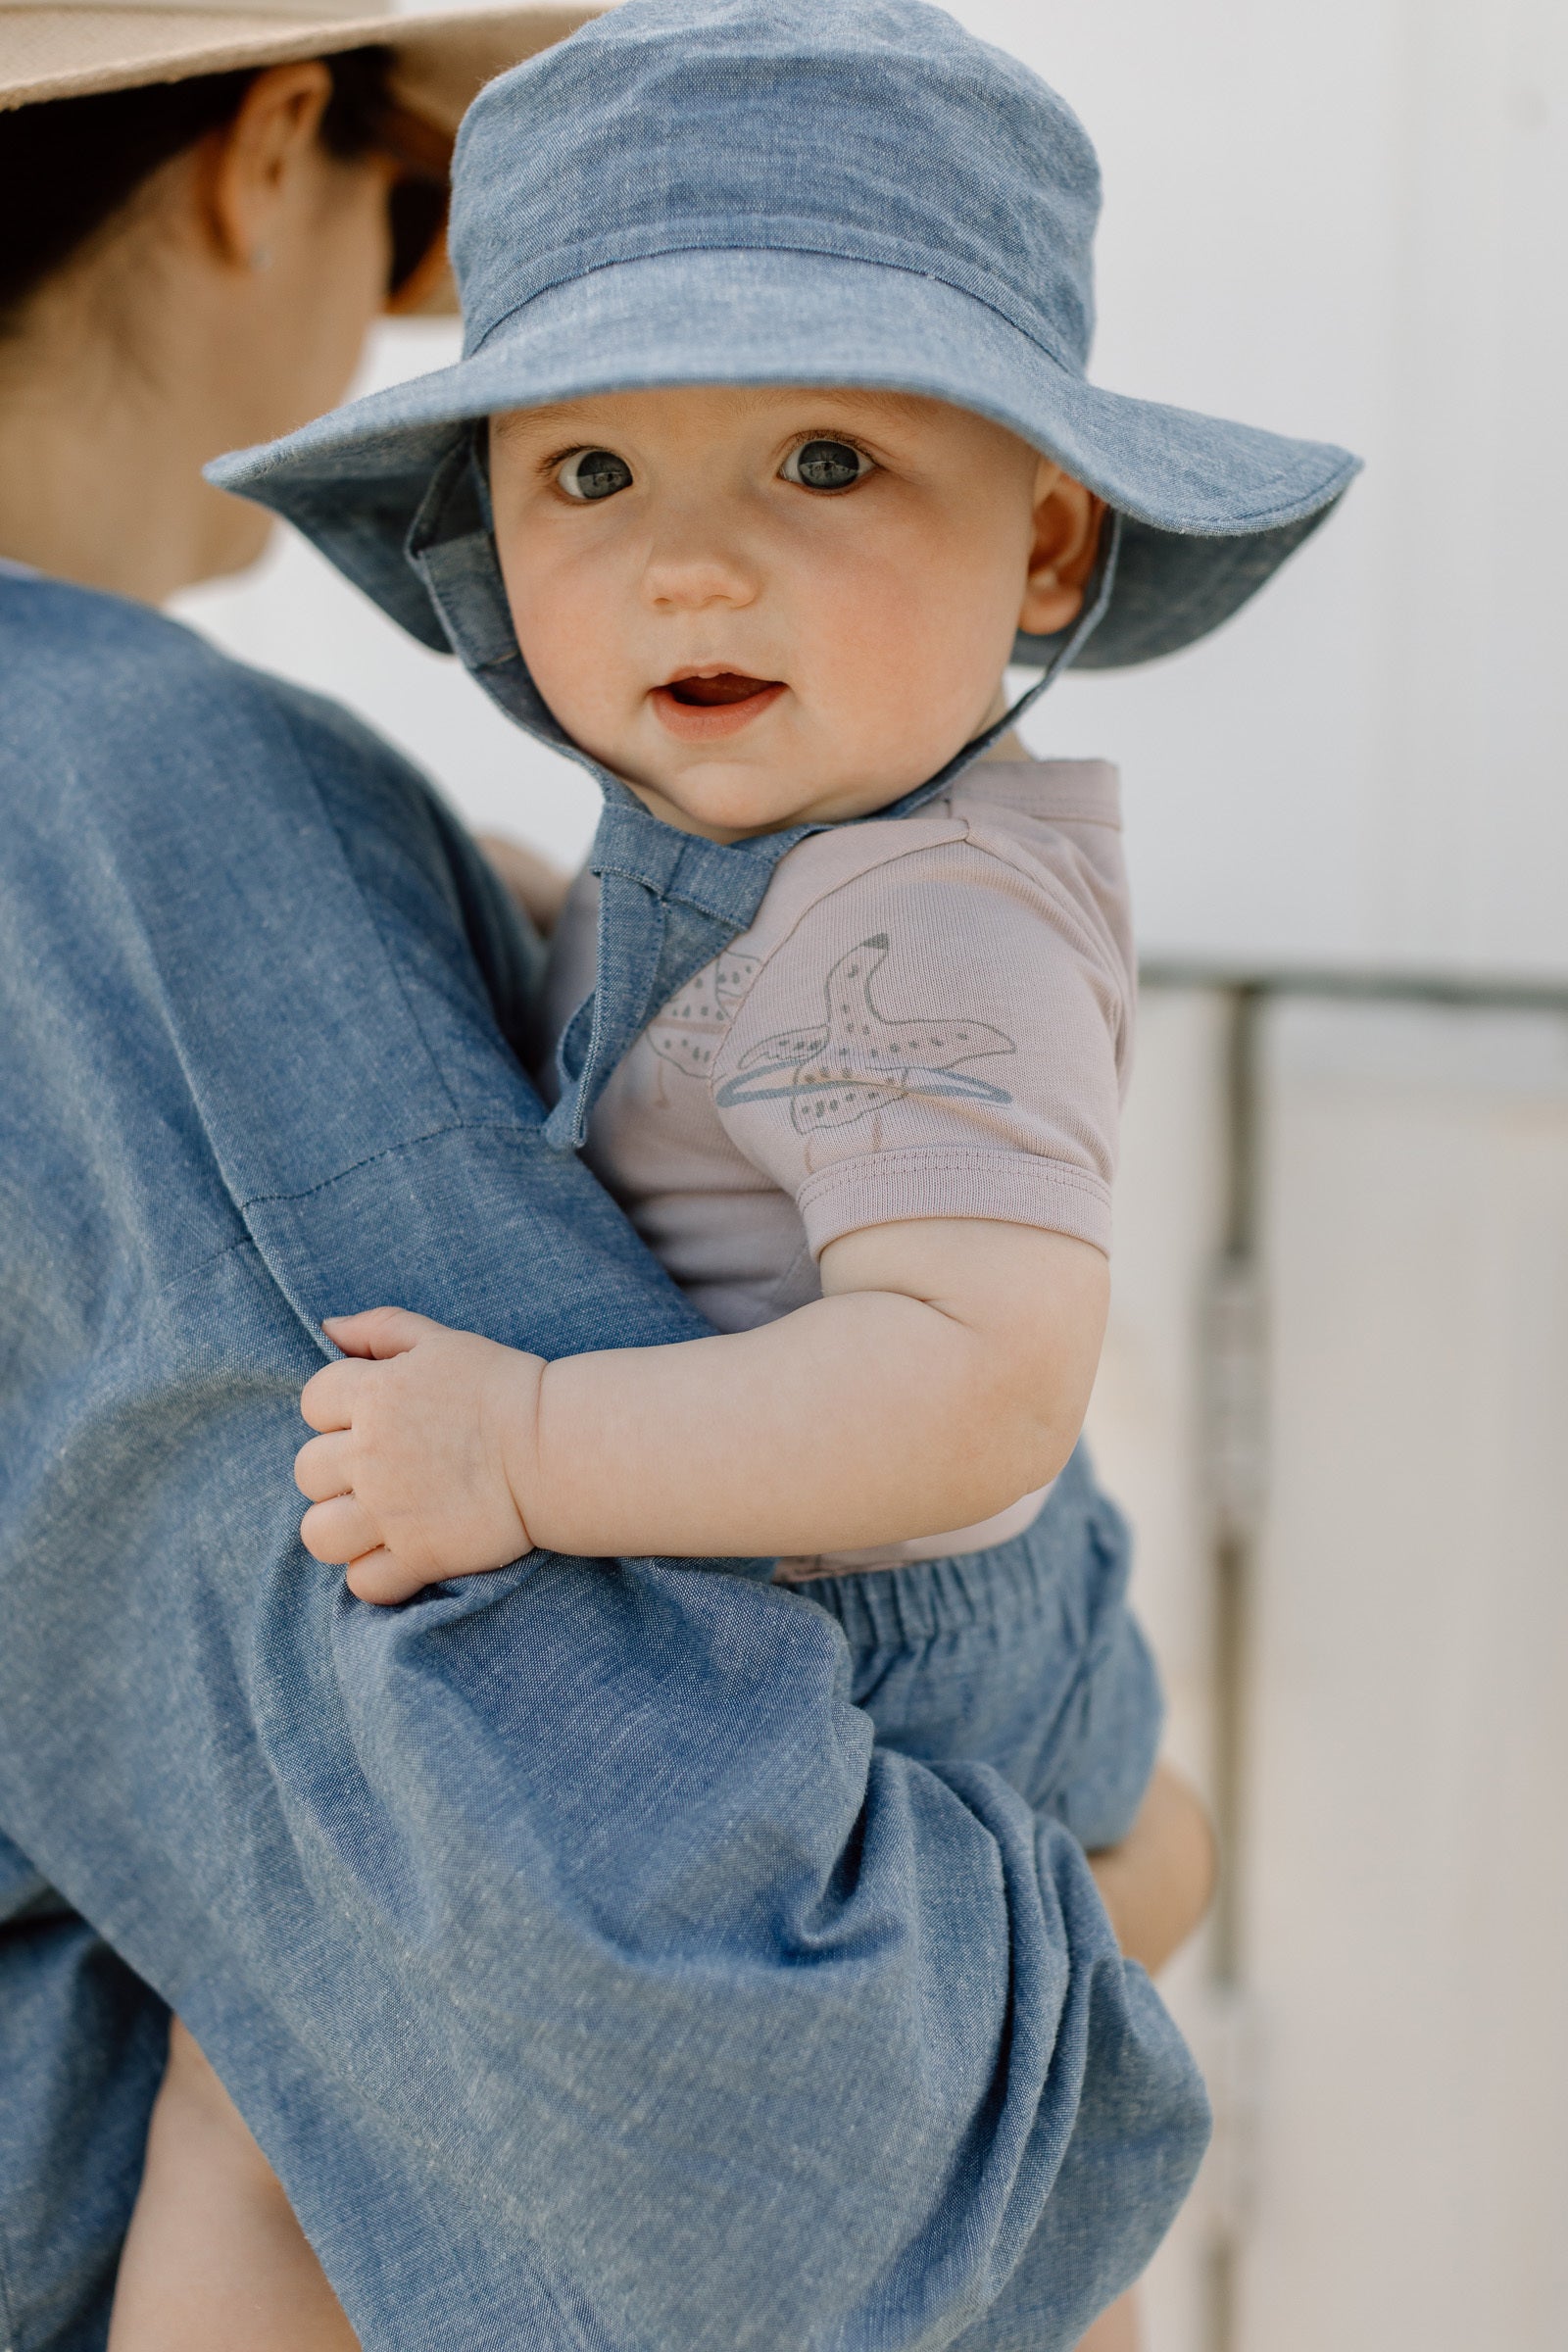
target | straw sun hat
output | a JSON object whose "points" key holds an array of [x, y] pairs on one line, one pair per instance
{"points": [[73, 48]]}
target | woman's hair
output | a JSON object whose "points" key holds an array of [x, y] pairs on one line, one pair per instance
{"points": [[69, 167]]}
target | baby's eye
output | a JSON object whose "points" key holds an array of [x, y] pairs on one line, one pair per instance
{"points": [[826, 465], [590, 473]]}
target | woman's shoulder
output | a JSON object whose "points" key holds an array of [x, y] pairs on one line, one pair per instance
{"points": [[108, 701], [90, 642], [92, 678], [148, 782]]}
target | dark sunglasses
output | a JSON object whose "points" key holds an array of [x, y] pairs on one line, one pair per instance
{"points": [[417, 206]]}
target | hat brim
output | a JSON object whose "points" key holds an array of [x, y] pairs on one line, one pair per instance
{"points": [[1212, 507], [444, 57]]}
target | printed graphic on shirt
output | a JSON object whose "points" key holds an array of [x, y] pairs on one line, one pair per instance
{"points": [[691, 1028], [860, 1060]]}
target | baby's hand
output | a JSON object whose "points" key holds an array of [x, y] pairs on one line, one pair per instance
{"points": [[411, 1478]]}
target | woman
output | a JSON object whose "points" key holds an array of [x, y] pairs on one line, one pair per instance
{"points": [[285, 1813], [193, 256]]}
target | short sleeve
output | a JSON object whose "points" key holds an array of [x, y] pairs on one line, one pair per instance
{"points": [[941, 1036]]}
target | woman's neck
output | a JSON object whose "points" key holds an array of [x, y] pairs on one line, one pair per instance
{"points": [[102, 442]]}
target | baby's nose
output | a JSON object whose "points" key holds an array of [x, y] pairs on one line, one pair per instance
{"points": [[688, 571]]}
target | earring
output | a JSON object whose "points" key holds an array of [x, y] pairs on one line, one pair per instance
{"points": [[261, 259]]}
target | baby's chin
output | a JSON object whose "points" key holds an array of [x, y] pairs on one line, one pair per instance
{"points": [[757, 787], [733, 801], [786, 767]]}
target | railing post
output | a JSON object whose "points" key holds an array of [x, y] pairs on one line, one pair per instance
{"points": [[1235, 1424]]}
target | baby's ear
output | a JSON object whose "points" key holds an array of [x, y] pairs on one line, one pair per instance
{"points": [[1067, 522]]}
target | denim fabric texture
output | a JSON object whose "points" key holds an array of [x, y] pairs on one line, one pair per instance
{"points": [[798, 192], [81, 2051], [589, 1972], [1024, 1657]]}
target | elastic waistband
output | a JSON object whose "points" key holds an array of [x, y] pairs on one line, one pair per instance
{"points": [[1076, 1544]]}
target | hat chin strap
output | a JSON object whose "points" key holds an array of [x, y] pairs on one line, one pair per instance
{"points": [[668, 902]]}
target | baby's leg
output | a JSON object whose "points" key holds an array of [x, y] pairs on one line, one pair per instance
{"points": [[1158, 1881], [214, 2255], [1115, 2329], [1156, 1885]]}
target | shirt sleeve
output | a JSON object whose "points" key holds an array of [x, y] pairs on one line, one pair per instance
{"points": [[941, 1036]]}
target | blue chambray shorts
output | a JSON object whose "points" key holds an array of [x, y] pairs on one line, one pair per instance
{"points": [[1025, 1657]]}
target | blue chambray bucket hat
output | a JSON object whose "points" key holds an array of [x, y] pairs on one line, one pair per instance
{"points": [[850, 192]]}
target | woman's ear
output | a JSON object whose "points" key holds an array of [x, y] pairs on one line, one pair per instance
{"points": [[249, 168], [1067, 520]]}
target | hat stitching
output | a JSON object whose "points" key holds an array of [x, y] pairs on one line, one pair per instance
{"points": [[642, 251]]}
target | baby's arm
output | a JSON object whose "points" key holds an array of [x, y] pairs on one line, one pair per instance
{"points": [[943, 1373]]}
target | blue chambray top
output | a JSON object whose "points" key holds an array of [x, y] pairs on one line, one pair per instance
{"points": [[587, 1974]]}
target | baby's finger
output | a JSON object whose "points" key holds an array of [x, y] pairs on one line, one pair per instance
{"points": [[326, 1400], [338, 1531], [321, 1468], [379, 1331], [377, 1577]]}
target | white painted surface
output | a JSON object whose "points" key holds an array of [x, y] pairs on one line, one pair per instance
{"points": [[1146, 1430], [1404, 1868], [1407, 1866]]}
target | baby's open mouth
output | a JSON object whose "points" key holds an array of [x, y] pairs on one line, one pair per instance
{"points": [[720, 702], [727, 686]]}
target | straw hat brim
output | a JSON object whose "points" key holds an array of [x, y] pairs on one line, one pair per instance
{"points": [[444, 57]]}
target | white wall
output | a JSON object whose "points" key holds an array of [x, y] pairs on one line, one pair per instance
{"points": [[1408, 1910], [1340, 218], [1147, 1430], [1393, 2153]]}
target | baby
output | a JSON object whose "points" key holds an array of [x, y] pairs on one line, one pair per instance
{"points": [[770, 450], [873, 1138]]}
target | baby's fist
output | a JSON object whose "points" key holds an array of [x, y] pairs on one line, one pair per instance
{"points": [[425, 1441]]}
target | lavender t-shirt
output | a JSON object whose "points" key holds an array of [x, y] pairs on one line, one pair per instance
{"points": [[931, 1017]]}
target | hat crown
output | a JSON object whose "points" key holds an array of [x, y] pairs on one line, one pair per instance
{"points": [[874, 130]]}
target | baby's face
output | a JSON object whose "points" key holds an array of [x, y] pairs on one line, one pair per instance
{"points": [[759, 606]]}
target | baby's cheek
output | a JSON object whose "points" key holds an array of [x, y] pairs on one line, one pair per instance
{"points": [[570, 668], [927, 662], [565, 632], [546, 647], [934, 699]]}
